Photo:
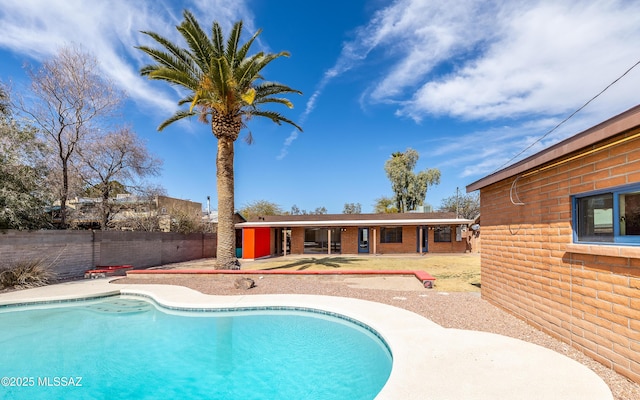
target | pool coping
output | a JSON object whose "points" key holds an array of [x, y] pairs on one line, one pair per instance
{"points": [[429, 361]]}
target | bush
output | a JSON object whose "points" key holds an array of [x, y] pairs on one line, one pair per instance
{"points": [[25, 274]]}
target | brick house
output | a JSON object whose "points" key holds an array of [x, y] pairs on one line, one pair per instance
{"points": [[561, 241], [126, 209], [355, 234]]}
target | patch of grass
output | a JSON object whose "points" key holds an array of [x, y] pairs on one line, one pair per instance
{"points": [[25, 274], [453, 272]]}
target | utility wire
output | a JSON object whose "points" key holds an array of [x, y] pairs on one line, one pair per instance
{"points": [[569, 117]]}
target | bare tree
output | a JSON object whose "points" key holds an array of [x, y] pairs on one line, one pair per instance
{"points": [[182, 220], [140, 212], [70, 99], [118, 158], [464, 205]]}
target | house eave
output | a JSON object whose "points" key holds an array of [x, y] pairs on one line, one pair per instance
{"points": [[620, 123], [345, 223]]}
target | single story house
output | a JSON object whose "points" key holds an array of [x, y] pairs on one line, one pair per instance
{"points": [[561, 241], [438, 232]]}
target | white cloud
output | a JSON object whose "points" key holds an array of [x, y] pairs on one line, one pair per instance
{"points": [[491, 60], [418, 35], [524, 64], [110, 30], [550, 60]]}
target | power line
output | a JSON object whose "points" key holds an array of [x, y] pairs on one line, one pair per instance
{"points": [[569, 117]]}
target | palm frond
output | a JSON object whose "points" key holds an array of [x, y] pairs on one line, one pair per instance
{"points": [[180, 114], [241, 54], [186, 100], [197, 40], [273, 116], [279, 100], [232, 44], [267, 58], [165, 63], [251, 68], [219, 74], [173, 76], [265, 89], [217, 40], [246, 72], [186, 60]]}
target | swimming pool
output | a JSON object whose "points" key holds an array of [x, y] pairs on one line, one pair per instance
{"points": [[127, 347]]}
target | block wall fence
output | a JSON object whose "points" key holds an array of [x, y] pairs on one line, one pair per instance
{"points": [[70, 253], [587, 296]]}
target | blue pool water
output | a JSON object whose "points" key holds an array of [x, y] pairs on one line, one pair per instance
{"points": [[131, 349]]}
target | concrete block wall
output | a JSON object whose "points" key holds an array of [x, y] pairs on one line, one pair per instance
{"points": [[585, 295], [70, 253], [67, 252]]}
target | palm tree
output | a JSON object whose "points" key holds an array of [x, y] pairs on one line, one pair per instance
{"points": [[224, 88]]}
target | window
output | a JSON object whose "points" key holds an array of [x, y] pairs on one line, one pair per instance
{"points": [[316, 240], [391, 235], [442, 233], [609, 217]]}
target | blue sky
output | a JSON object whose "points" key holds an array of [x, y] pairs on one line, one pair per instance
{"points": [[468, 84]]}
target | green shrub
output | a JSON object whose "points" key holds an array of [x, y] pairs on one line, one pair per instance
{"points": [[25, 274]]}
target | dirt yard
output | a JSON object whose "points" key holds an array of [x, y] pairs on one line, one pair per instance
{"points": [[453, 272]]}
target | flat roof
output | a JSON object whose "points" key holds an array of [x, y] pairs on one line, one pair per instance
{"points": [[613, 126], [414, 219]]}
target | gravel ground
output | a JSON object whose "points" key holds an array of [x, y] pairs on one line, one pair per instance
{"points": [[451, 310]]}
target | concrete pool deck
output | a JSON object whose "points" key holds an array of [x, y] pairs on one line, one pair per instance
{"points": [[429, 361]]}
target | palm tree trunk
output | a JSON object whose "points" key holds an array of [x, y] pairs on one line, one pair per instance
{"points": [[226, 247]]}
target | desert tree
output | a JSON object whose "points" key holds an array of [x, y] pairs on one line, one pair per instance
{"points": [[295, 210], [225, 88], [409, 188], [23, 172], [352, 208], [70, 98], [260, 207], [119, 158], [384, 205]]}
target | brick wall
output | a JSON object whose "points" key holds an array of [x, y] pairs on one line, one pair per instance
{"points": [[586, 296], [349, 240], [297, 240], [70, 253]]}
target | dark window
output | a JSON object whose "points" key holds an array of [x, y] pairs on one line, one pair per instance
{"points": [[316, 240], [391, 235], [595, 218], [609, 217], [442, 233]]}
